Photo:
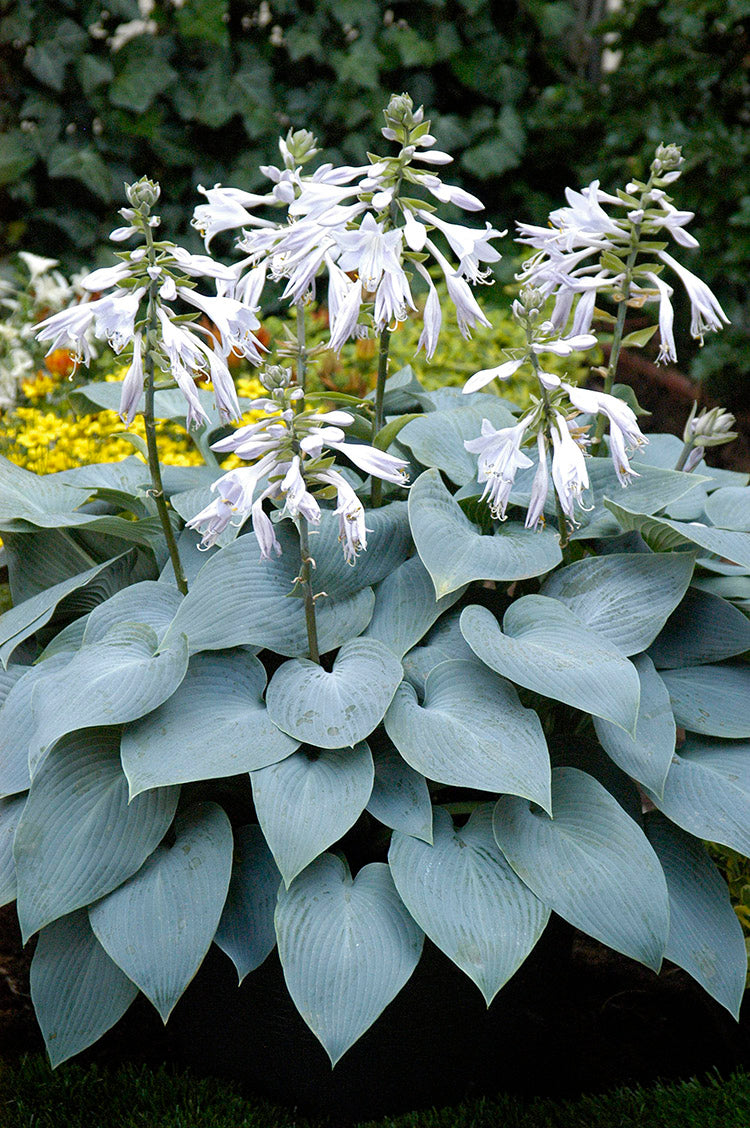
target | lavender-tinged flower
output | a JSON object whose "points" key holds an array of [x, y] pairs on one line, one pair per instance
{"points": [[234, 501], [132, 385], [234, 321], [298, 499], [706, 313], [226, 210], [351, 515], [539, 487], [501, 372], [431, 318], [69, 329], [470, 245], [500, 456], [624, 432], [569, 472]]}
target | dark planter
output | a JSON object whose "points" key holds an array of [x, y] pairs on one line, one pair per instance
{"points": [[576, 1017]]}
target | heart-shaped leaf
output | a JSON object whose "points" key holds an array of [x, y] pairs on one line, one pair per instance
{"points": [[454, 551], [711, 699], [590, 863], [471, 731], [346, 947], [339, 708], [216, 724], [707, 791], [464, 895], [149, 602], [704, 628], [705, 936], [78, 837], [400, 797], [729, 508], [159, 925], [647, 756], [388, 545], [77, 991], [624, 597], [406, 607], [308, 801], [117, 679], [544, 647], [246, 932], [239, 599], [437, 439]]}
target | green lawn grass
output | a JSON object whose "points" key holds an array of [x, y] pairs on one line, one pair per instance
{"points": [[31, 1096]]}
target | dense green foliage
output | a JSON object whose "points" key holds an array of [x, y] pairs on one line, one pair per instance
{"points": [[133, 1097]]}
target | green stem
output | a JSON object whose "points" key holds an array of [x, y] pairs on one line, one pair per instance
{"points": [[157, 487], [301, 348], [306, 564], [684, 454], [376, 494]]}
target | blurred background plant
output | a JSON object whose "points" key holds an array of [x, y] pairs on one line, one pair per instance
{"points": [[530, 95]]}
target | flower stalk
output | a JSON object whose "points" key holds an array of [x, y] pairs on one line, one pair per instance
{"points": [[376, 494], [305, 579]]}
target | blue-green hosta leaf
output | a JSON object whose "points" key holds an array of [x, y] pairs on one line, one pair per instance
{"points": [[17, 725], [149, 602], [246, 932], [192, 557], [544, 647], [117, 679], [400, 797], [437, 439], [39, 559], [23, 620], [590, 863], [624, 597], [454, 551], [729, 508], [339, 708], [68, 640], [405, 606], [307, 802], [464, 895], [663, 535], [714, 700], [10, 813], [388, 545], [159, 925], [704, 628], [77, 991], [647, 756], [8, 679], [471, 731], [216, 724], [705, 936], [39, 499], [346, 947], [78, 837], [707, 791], [238, 599]]}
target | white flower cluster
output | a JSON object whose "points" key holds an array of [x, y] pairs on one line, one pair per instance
{"points": [[289, 449], [163, 273], [585, 251], [356, 224]]}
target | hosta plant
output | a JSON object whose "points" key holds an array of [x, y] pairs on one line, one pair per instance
{"points": [[501, 649]]}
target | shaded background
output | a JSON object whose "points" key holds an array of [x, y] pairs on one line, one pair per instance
{"points": [[529, 96]]}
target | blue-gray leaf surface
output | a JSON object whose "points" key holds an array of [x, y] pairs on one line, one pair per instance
{"points": [[388, 545], [246, 931], [238, 599], [406, 607], [159, 925], [590, 863], [713, 700], [454, 551], [647, 756], [437, 438], [544, 647], [471, 731], [704, 628], [625, 597], [149, 602], [119, 678], [346, 947], [400, 797], [214, 725], [10, 814], [77, 991], [662, 534], [309, 800], [336, 708], [707, 791], [17, 725], [705, 936], [464, 895], [78, 836]]}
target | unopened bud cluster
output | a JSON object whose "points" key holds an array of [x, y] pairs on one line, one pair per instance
{"points": [[709, 427]]}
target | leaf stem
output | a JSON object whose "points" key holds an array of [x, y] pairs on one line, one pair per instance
{"points": [[306, 565], [376, 495], [150, 427]]}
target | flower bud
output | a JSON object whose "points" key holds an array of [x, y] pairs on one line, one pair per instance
{"points": [[298, 147], [143, 194], [273, 376], [710, 428], [531, 300], [668, 158]]}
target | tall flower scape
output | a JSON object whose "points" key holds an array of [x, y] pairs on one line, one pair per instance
{"points": [[346, 614]]}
